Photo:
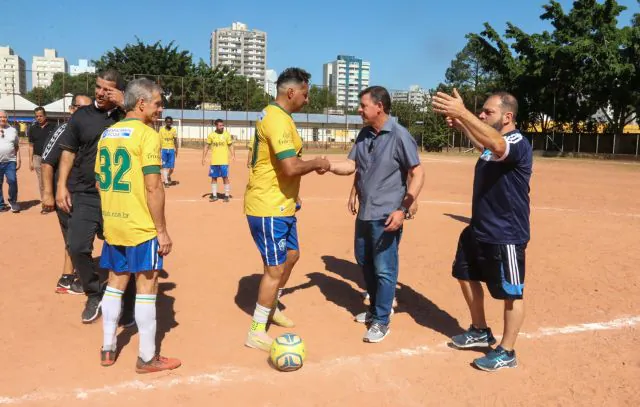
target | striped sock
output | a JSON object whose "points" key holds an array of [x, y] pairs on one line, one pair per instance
{"points": [[227, 189], [260, 318], [145, 312], [111, 309], [214, 189]]}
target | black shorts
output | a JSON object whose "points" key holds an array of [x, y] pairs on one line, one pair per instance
{"points": [[500, 266]]}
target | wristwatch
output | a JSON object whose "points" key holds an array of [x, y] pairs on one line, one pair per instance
{"points": [[403, 209]]}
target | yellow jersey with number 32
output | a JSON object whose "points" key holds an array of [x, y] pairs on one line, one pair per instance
{"points": [[219, 144], [126, 152], [270, 192]]}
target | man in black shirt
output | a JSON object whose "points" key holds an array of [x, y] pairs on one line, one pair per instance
{"points": [[69, 281], [76, 189], [38, 135]]}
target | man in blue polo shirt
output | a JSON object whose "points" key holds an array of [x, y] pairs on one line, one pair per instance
{"points": [[388, 180], [492, 248]]}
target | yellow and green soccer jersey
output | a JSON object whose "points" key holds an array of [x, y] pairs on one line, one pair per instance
{"points": [[219, 144], [168, 138], [126, 152], [269, 192]]}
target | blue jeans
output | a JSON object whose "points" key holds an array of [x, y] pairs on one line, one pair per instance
{"points": [[9, 170], [377, 253]]}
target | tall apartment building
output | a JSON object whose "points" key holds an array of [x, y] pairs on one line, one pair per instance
{"points": [[270, 79], [82, 67], [415, 96], [346, 77], [43, 68], [242, 49], [13, 73]]}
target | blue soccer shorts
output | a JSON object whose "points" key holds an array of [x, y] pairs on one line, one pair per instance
{"points": [[274, 236], [219, 171], [131, 259], [168, 158]]}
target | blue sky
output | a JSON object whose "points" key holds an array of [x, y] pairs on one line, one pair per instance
{"points": [[407, 42]]}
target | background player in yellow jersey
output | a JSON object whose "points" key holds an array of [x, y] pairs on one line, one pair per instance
{"points": [[220, 143], [271, 196], [136, 238], [169, 136]]}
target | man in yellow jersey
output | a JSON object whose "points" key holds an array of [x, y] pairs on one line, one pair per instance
{"points": [[169, 136], [136, 238], [271, 195], [220, 143]]}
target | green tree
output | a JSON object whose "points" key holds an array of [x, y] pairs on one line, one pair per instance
{"points": [[151, 60], [468, 74], [164, 64], [320, 98], [585, 65], [62, 84]]}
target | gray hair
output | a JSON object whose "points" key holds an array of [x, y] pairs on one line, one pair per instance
{"points": [[5, 113], [142, 88]]}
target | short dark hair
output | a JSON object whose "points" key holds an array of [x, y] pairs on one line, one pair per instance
{"points": [[112, 75], [74, 100], [378, 94], [508, 102], [40, 109], [168, 118], [216, 121], [295, 75]]}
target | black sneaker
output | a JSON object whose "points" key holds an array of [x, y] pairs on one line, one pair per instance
{"points": [[127, 319], [76, 287], [64, 283], [91, 310], [213, 198], [226, 198]]}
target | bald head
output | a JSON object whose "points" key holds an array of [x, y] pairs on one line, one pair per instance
{"points": [[78, 102]]}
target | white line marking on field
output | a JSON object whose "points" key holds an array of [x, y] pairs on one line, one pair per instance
{"points": [[243, 375]]}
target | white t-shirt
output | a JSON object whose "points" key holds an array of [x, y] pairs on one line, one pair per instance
{"points": [[8, 144]]}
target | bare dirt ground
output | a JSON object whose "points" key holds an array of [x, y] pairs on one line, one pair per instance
{"points": [[579, 344]]}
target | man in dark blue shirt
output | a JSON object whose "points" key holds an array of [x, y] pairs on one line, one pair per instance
{"points": [[388, 181], [492, 248]]}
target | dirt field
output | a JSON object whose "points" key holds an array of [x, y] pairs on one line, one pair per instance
{"points": [[579, 344]]}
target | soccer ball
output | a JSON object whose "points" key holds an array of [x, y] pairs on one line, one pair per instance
{"points": [[287, 352]]}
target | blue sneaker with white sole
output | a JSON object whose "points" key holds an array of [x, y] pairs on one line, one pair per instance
{"points": [[496, 359], [473, 337]]}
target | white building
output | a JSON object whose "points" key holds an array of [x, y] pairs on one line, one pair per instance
{"points": [[241, 49], [13, 73], [346, 77], [415, 96], [82, 67], [45, 67], [270, 79]]}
